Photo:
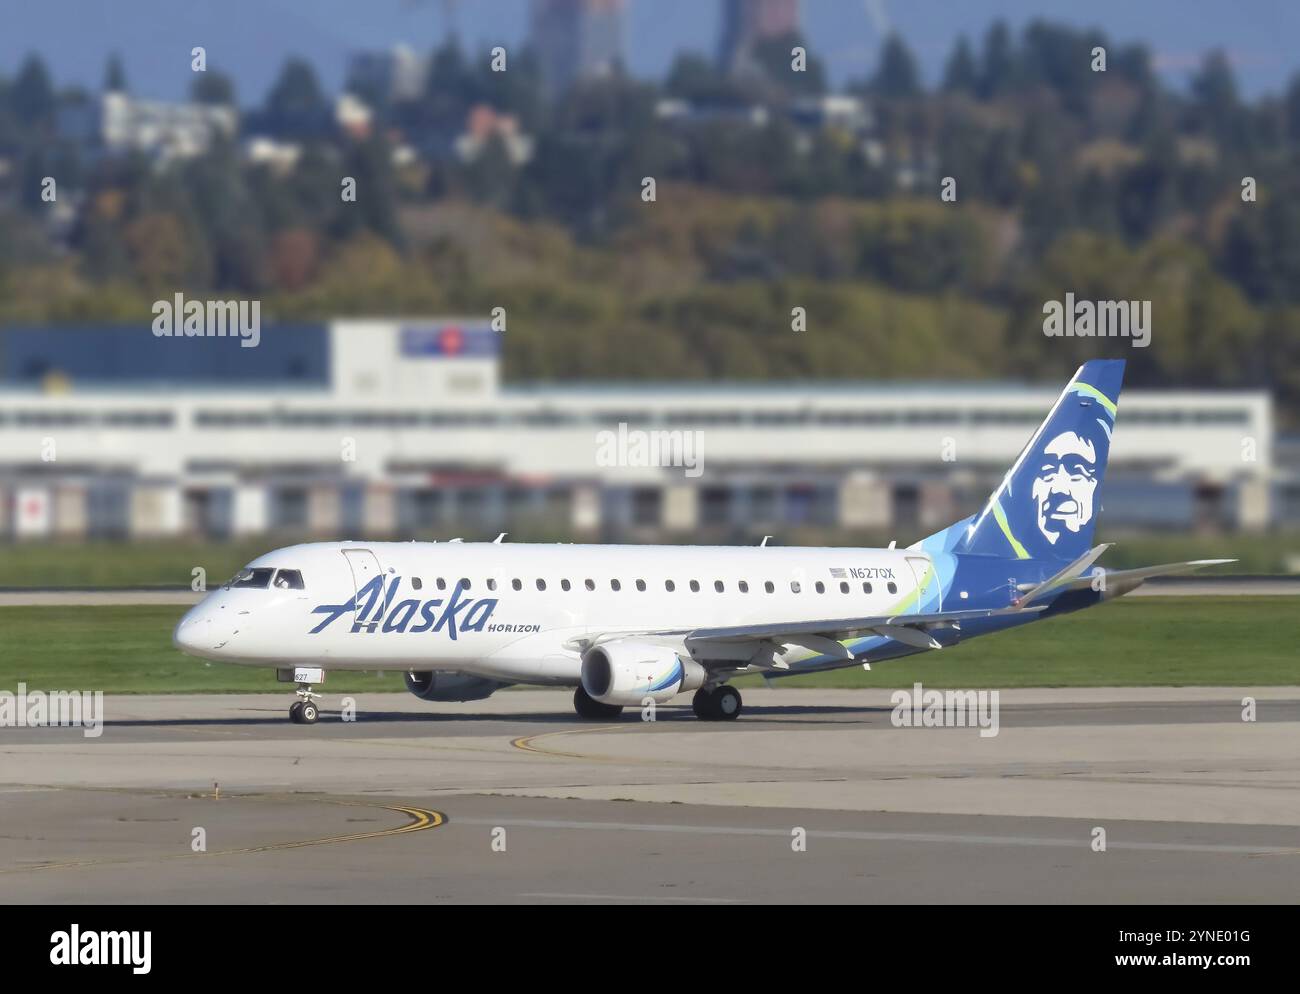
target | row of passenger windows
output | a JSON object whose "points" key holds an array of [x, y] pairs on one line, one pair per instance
{"points": [[669, 585]]}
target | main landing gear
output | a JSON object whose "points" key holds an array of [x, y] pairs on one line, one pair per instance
{"points": [[588, 708], [717, 703], [304, 711]]}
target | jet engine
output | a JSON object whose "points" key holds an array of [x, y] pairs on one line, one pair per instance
{"points": [[625, 672], [442, 685]]}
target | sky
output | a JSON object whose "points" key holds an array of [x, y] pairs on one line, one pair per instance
{"points": [[250, 39]]}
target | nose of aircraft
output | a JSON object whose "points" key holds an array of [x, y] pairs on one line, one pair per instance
{"points": [[197, 633]]}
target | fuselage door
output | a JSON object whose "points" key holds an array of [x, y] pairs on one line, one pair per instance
{"points": [[367, 582], [929, 596]]}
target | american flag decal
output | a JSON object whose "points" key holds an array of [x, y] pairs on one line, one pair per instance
{"points": [[839, 574]]}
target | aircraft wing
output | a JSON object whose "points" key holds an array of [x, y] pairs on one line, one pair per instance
{"points": [[1118, 580], [763, 644], [825, 636]]}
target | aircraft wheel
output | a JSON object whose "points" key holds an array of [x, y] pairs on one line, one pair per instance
{"points": [[295, 712], [703, 705], [588, 708], [726, 703], [308, 713]]}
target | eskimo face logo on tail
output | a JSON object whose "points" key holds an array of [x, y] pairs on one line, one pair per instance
{"points": [[385, 613], [1065, 484]]}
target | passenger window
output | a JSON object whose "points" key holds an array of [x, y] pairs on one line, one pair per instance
{"points": [[717, 586], [591, 584], [893, 587], [289, 579], [517, 584], [821, 587], [417, 583], [744, 587], [615, 585], [251, 578], [640, 585], [866, 588], [491, 584], [695, 586], [794, 586], [669, 586], [464, 584], [564, 584], [844, 588], [770, 587], [441, 583], [541, 584]]}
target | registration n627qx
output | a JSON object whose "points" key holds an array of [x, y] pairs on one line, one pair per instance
{"points": [[625, 623]]}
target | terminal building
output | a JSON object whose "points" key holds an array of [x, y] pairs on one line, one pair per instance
{"points": [[404, 429]]}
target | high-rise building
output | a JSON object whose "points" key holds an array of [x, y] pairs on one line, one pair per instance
{"points": [[577, 39], [746, 22]]}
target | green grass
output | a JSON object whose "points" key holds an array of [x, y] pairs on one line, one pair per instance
{"points": [[1132, 642], [128, 650]]}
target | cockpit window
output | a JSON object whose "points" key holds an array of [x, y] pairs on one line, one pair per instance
{"points": [[289, 579], [258, 578]]}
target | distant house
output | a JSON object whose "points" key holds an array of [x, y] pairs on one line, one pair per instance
{"points": [[482, 124], [675, 111], [396, 74], [280, 157], [353, 116], [118, 123]]}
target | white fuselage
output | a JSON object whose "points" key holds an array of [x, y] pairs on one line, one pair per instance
{"points": [[516, 613]]}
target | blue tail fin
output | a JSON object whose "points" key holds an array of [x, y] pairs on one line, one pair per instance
{"points": [[1047, 504]]}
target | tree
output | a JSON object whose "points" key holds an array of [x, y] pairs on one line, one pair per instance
{"points": [[898, 75], [32, 95], [115, 75], [998, 64], [213, 87], [296, 107], [960, 75]]}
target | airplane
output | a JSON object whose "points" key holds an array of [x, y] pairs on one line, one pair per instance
{"points": [[627, 625]]}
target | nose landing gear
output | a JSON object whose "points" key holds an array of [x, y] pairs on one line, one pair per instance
{"points": [[304, 711]]}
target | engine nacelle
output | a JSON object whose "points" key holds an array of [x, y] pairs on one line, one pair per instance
{"points": [[626, 672], [443, 685]]}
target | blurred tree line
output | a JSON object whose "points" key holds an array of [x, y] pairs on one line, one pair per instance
{"points": [[1107, 184]]}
